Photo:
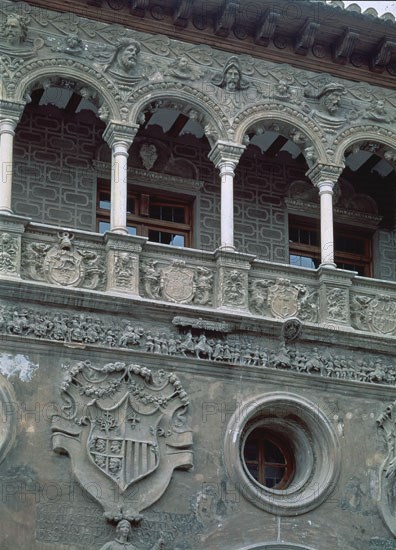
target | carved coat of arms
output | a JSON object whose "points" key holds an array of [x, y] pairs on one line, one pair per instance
{"points": [[124, 430], [178, 283], [283, 299], [381, 314], [64, 264]]}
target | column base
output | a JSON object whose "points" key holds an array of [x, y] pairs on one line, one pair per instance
{"points": [[5, 210], [119, 230], [227, 248], [329, 265]]}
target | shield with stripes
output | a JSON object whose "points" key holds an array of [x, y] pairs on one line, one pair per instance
{"points": [[122, 443]]}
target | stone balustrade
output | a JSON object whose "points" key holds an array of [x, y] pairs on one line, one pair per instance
{"points": [[222, 280]]}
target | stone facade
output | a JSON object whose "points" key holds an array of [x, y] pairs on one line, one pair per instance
{"points": [[134, 374]]}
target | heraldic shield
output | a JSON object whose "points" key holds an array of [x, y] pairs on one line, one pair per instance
{"points": [[124, 429]]}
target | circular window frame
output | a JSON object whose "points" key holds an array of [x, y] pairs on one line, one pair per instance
{"points": [[313, 442]]}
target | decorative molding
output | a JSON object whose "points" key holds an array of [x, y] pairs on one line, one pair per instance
{"points": [[155, 179]]}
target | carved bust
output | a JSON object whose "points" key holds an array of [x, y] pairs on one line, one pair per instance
{"points": [[330, 97], [232, 79], [121, 541], [15, 30]]}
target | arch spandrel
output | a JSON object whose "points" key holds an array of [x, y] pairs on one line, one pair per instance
{"points": [[46, 68], [195, 99], [286, 115], [358, 134]]}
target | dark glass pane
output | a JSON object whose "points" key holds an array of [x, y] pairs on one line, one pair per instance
{"points": [[273, 475], [272, 453], [155, 212], [178, 215], [253, 470], [293, 235], [251, 449], [351, 267], [345, 244], [130, 205], [104, 200], [166, 238], [167, 213]]}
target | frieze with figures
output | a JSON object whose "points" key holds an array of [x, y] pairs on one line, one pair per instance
{"points": [[125, 62], [194, 343]]}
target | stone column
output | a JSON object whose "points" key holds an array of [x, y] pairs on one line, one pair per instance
{"points": [[119, 137], [10, 114], [225, 157], [324, 177]]}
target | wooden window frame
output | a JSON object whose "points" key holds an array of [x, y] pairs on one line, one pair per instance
{"points": [[263, 435], [141, 219], [363, 261]]}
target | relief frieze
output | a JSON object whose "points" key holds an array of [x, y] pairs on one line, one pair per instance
{"points": [[63, 263], [374, 313], [199, 340], [177, 282], [282, 299], [126, 61], [9, 248]]}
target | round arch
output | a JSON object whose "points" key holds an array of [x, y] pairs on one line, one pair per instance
{"points": [[361, 134], [194, 99], [84, 74], [291, 117]]}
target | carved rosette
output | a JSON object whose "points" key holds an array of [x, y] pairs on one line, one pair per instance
{"points": [[9, 252], [123, 427], [374, 313], [63, 263], [386, 422], [177, 282], [282, 299]]}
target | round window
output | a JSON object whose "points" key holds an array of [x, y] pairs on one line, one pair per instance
{"points": [[268, 458], [282, 453]]}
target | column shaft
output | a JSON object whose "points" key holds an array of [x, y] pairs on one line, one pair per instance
{"points": [[326, 223], [118, 217], [227, 204], [7, 132]]}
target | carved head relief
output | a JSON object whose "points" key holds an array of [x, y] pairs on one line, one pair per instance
{"points": [[127, 52], [15, 29], [330, 97]]}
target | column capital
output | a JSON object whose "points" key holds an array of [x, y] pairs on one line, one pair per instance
{"points": [[225, 151], [116, 132], [11, 111], [324, 173]]}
